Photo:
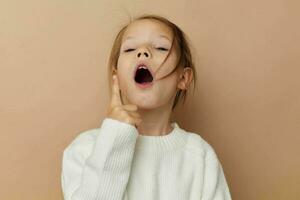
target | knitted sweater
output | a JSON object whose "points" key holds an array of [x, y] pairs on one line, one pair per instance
{"points": [[114, 162]]}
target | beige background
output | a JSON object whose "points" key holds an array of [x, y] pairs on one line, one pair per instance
{"points": [[53, 86]]}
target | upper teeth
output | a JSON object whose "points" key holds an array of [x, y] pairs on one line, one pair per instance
{"points": [[144, 67]]}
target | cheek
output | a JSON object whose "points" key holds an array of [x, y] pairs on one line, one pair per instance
{"points": [[121, 60], [123, 66], [124, 76], [167, 68], [168, 85], [122, 84], [124, 63]]}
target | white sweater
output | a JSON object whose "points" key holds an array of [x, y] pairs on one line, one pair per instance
{"points": [[114, 162]]}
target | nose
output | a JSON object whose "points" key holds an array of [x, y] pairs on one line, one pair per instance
{"points": [[143, 52]]}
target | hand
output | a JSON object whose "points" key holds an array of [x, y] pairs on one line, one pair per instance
{"points": [[124, 113]]}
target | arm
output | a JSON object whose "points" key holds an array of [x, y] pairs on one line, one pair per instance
{"points": [[104, 174], [215, 185]]}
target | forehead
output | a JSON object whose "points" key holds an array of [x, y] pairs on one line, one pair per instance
{"points": [[147, 28]]}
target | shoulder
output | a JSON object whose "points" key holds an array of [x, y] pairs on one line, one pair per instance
{"points": [[83, 143], [199, 146]]}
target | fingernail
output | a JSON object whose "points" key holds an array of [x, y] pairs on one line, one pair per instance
{"points": [[114, 77]]}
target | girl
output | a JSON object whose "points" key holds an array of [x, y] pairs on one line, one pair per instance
{"points": [[138, 153]]}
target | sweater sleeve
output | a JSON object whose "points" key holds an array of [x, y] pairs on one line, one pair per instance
{"points": [[215, 185], [102, 173]]}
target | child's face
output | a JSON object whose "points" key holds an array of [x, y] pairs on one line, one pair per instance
{"points": [[148, 46]]}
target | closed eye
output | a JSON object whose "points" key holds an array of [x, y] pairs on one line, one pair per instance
{"points": [[127, 50], [160, 48], [163, 49]]}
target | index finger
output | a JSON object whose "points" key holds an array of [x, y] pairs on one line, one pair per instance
{"points": [[116, 99]]}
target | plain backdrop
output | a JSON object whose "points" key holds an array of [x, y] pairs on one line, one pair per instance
{"points": [[53, 86]]}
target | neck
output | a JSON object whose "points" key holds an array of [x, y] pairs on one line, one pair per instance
{"points": [[155, 122]]}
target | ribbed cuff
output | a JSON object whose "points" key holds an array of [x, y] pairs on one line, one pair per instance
{"points": [[124, 130]]}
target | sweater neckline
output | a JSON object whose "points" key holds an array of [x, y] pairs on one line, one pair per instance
{"points": [[173, 140]]}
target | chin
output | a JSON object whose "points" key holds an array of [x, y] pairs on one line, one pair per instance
{"points": [[144, 103], [146, 107]]}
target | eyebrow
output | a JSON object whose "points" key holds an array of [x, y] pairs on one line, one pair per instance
{"points": [[161, 36]]}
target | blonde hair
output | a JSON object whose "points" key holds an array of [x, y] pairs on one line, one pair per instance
{"points": [[181, 43]]}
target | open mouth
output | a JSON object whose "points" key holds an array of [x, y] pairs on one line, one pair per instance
{"points": [[143, 75]]}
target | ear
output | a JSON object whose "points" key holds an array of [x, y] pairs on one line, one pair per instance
{"points": [[185, 78], [114, 70]]}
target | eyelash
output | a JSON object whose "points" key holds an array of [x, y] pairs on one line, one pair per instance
{"points": [[160, 48]]}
